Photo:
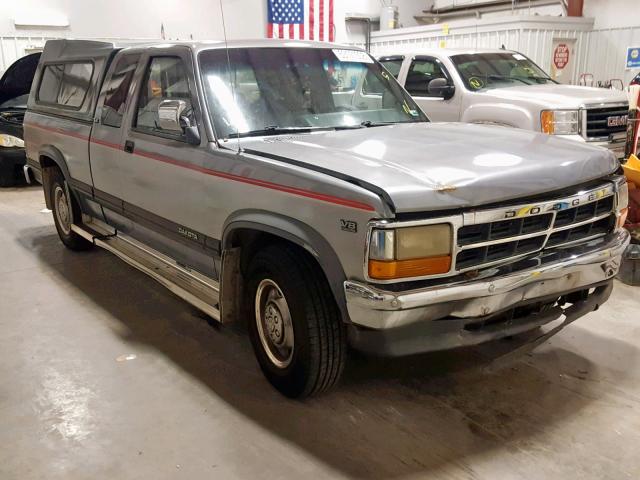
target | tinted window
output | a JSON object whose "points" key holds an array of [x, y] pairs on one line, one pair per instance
{"points": [[50, 84], [65, 84], [393, 66], [117, 90], [420, 74], [165, 79]]}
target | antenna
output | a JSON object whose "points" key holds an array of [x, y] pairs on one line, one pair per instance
{"points": [[231, 82]]}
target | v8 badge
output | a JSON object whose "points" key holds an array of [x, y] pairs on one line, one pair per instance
{"points": [[348, 226]]}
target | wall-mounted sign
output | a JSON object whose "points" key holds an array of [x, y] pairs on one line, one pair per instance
{"points": [[633, 57], [561, 56]]}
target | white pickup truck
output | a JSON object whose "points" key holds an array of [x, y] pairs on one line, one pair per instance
{"points": [[506, 88]]}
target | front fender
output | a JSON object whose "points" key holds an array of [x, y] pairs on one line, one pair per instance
{"points": [[503, 114], [298, 233]]}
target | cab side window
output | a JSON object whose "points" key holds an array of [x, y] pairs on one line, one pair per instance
{"points": [[117, 90], [421, 72], [165, 79], [372, 85]]}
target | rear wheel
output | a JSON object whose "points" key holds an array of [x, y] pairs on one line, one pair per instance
{"points": [[295, 325], [65, 210]]}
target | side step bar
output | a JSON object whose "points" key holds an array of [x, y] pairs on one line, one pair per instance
{"points": [[200, 291]]}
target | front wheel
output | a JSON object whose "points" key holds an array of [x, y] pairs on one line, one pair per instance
{"points": [[295, 325]]}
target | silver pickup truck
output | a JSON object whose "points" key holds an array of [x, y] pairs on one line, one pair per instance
{"points": [[265, 182], [506, 88]]}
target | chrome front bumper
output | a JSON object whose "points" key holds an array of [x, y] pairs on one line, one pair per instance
{"points": [[616, 143], [493, 291]]}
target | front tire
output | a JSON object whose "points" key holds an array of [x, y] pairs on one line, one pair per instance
{"points": [[295, 326], [65, 211]]}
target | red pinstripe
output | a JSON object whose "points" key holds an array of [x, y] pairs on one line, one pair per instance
{"points": [[216, 173]]}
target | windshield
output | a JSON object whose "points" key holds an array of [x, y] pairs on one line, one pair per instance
{"points": [[480, 71], [275, 90]]}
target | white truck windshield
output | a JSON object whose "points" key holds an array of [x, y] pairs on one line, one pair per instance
{"points": [[491, 70], [276, 90]]}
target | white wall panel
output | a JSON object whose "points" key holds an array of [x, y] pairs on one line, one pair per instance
{"points": [[599, 52]]}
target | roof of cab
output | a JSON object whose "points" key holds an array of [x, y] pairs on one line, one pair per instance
{"points": [[66, 48], [447, 51]]}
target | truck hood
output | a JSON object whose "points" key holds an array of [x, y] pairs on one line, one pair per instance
{"points": [[435, 166], [556, 96]]}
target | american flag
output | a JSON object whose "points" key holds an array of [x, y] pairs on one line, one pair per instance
{"points": [[301, 19]]}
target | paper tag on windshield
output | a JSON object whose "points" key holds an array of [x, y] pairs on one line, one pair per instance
{"points": [[355, 56], [517, 56]]}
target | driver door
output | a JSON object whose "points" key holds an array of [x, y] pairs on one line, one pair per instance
{"points": [[423, 70], [159, 169]]}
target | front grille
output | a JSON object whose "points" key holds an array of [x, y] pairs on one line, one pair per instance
{"points": [[503, 229], [583, 212], [488, 238], [597, 121], [492, 253]]}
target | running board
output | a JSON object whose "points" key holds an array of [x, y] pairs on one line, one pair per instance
{"points": [[200, 291]]}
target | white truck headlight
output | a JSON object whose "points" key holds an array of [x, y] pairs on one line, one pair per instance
{"points": [[560, 122], [410, 251], [10, 141]]}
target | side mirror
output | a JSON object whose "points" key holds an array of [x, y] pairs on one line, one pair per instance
{"points": [[440, 87], [172, 118]]}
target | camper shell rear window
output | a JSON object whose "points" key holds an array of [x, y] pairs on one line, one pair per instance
{"points": [[65, 85]]}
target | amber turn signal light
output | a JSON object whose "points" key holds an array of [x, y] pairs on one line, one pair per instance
{"points": [[547, 121], [418, 267]]}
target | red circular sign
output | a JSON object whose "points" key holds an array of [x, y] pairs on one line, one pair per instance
{"points": [[561, 56]]}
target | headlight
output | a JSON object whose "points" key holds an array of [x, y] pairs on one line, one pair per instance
{"points": [[622, 205], [10, 141], [560, 122], [410, 252]]}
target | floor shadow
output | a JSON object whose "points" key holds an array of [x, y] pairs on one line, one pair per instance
{"points": [[388, 418]]}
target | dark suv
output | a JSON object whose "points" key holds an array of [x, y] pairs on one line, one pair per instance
{"points": [[14, 92]]}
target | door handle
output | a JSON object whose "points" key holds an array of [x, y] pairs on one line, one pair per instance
{"points": [[128, 146]]}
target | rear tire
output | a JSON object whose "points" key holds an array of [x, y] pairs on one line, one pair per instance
{"points": [[295, 326], [65, 212]]}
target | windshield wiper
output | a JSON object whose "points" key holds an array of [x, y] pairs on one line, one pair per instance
{"points": [[369, 123], [500, 77], [274, 130]]}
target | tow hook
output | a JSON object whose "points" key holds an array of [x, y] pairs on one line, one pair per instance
{"points": [[610, 268]]}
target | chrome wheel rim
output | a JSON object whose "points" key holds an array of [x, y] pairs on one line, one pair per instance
{"points": [[63, 211], [273, 320]]}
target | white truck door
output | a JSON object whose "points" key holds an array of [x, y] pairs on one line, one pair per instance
{"points": [[422, 70]]}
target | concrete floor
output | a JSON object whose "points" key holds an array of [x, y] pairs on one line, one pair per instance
{"points": [[106, 375]]}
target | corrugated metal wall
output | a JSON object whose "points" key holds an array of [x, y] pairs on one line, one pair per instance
{"points": [[599, 52], [12, 48]]}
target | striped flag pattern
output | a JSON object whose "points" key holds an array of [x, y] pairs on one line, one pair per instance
{"points": [[301, 20]]}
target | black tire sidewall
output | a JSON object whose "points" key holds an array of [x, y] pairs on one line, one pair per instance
{"points": [[292, 380], [71, 240]]}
